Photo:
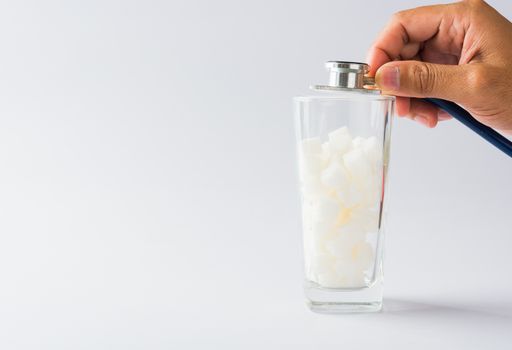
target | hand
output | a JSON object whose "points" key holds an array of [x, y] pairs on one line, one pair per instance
{"points": [[460, 52]]}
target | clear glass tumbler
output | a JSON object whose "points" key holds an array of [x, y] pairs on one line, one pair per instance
{"points": [[343, 156]]}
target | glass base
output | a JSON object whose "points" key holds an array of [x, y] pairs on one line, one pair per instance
{"points": [[343, 308], [327, 300]]}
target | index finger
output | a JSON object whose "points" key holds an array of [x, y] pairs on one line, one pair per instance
{"points": [[405, 28]]}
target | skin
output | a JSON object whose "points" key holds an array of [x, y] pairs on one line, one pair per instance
{"points": [[460, 52]]}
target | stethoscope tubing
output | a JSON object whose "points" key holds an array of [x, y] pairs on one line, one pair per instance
{"points": [[463, 116]]}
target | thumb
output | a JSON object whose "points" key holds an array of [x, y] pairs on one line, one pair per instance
{"points": [[422, 79]]}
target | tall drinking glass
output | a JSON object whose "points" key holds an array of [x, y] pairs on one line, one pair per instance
{"points": [[343, 156]]}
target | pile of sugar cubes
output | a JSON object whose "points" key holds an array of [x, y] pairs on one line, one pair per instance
{"points": [[341, 182]]}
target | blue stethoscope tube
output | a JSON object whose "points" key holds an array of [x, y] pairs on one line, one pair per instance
{"points": [[457, 112]]}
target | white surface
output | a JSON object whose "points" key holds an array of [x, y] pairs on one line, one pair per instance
{"points": [[148, 192]]}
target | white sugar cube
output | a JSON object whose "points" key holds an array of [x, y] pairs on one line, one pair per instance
{"points": [[352, 273], [326, 152], [358, 142], [357, 164], [373, 190], [353, 231], [340, 140], [349, 275], [321, 263], [336, 247], [330, 280], [307, 214], [312, 189], [321, 228], [362, 255], [365, 219], [309, 170], [335, 176], [341, 245], [372, 149], [357, 280], [350, 196], [345, 267], [326, 209]]}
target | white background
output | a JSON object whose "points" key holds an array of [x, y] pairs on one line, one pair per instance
{"points": [[148, 189]]}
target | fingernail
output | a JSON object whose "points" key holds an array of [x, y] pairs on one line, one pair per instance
{"points": [[388, 78], [442, 116], [422, 120]]}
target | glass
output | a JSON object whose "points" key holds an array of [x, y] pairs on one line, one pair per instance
{"points": [[343, 156]]}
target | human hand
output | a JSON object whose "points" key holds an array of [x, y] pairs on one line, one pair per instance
{"points": [[459, 52]]}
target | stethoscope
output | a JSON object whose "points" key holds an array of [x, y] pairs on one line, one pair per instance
{"points": [[352, 76]]}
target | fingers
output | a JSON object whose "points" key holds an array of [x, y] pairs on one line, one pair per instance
{"points": [[404, 38], [421, 79], [403, 106], [421, 111], [401, 37], [442, 115]]}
